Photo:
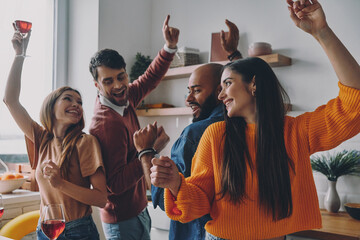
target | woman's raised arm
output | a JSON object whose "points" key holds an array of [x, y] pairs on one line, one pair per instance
{"points": [[310, 17], [13, 86]]}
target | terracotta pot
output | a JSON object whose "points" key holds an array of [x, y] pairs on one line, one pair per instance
{"points": [[259, 48]]}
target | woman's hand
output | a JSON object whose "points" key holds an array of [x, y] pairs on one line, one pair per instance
{"points": [[165, 174], [18, 40], [52, 172], [309, 16]]}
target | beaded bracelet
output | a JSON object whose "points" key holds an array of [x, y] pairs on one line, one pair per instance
{"points": [[147, 150]]}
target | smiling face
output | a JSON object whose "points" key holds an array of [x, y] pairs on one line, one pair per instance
{"points": [[113, 84], [68, 108], [203, 88], [237, 96]]}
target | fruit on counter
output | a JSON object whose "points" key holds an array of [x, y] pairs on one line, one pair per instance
{"points": [[10, 176]]}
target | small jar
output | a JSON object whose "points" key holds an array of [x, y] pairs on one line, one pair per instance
{"points": [[259, 48]]}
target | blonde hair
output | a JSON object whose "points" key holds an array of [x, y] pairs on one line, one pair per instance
{"points": [[72, 134]]}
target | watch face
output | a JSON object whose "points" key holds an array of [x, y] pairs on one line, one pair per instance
{"points": [[156, 155]]}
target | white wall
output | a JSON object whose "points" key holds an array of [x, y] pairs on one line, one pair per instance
{"points": [[125, 26], [83, 43]]}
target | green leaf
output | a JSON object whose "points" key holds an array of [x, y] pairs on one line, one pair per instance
{"points": [[338, 164], [140, 66]]}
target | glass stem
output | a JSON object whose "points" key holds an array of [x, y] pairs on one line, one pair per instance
{"points": [[23, 48]]}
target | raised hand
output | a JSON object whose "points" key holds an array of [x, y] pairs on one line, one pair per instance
{"points": [[145, 137], [162, 139], [230, 43], [52, 172], [171, 34], [17, 41], [308, 16], [165, 174]]}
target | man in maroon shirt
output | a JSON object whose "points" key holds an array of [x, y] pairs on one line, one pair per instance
{"points": [[125, 215]]}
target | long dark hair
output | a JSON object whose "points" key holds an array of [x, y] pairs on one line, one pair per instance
{"points": [[272, 160], [72, 134]]}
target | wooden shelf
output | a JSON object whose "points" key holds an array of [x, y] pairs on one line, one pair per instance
{"points": [[164, 112], [274, 60]]}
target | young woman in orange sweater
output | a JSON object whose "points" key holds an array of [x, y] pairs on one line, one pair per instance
{"points": [[252, 172]]}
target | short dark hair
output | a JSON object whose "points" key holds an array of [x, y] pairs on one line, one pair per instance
{"points": [[108, 58]]}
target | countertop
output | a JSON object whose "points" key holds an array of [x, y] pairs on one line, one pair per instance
{"points": [[20, 195], [336, 226]]}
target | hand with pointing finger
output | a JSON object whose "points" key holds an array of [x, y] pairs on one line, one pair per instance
{"points": [[171, 34]]}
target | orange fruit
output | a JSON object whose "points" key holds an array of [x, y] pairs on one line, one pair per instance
{"points": [[7, 176], [18, 175]]}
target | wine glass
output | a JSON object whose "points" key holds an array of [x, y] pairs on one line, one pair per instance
{"points": [[53, 221], [1, 209], [23, 27], [1, 206]]}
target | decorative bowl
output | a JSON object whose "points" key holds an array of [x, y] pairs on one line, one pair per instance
{"points": [[259, 48], [353, 210], [7, 186]]}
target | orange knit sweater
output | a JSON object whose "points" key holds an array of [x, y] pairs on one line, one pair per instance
{"points": [[325, 128]]}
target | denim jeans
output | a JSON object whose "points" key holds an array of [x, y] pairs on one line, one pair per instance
{"points": [[209, 236], [79, 229], [136, 228]]}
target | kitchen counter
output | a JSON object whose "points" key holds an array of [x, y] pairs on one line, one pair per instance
{"points": [[18, 202], [336, 226], [20, 195]]}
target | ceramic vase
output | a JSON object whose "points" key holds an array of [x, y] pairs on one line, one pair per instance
{"points": [[332, 199]]}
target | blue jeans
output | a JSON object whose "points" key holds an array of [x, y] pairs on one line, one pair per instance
{"points": [[136, 228], [79, 229], [209, 236]]}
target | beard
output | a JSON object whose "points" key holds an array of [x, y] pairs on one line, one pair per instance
{"points": [[206, 108]]}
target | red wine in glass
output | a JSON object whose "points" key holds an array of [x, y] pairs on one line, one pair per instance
{"points": [[23, 27], [1, 206], [53, 221], [53, 228]]}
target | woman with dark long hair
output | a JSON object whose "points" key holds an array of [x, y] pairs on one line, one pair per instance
{"points": [[67, 161], [252, 172]]}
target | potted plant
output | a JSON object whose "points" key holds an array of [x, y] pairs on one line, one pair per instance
{"points": [[140, 66], [334, 166]]}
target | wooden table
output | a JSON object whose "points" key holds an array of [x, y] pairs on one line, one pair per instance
{"points": [[336, 226]]}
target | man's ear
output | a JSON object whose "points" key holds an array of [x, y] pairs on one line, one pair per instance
{"points": [[218, 90], [96, 84]]}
